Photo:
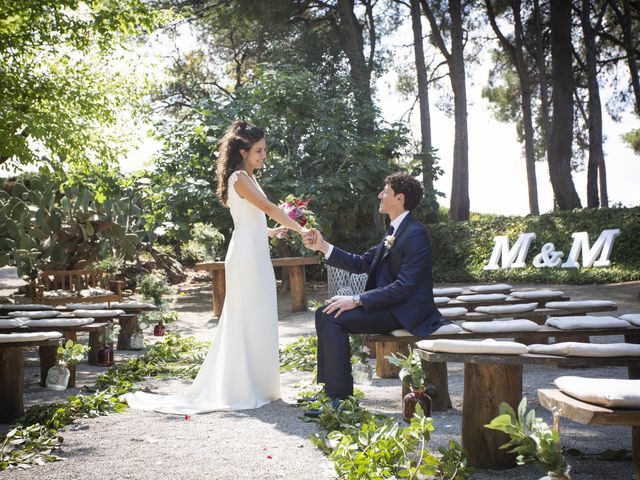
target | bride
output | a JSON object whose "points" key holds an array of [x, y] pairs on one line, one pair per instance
{"points": [[241, 370]]}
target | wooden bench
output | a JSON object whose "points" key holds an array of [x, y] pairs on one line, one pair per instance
{"points": [[12, 376], [74, 281], [388, 344], [562, 405], [295, 265], [472, 304], [490, 379], [436, 375], [48, 356]]}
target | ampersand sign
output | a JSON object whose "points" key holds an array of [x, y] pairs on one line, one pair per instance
{"points": [[548, 257]]}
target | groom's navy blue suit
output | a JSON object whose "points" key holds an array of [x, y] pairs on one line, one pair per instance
{"points": [[398, 294]]}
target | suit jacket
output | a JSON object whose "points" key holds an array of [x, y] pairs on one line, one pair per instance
{"points": [[399, 277]]}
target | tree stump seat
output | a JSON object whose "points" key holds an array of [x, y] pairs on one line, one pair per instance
{"points": [[12, 375], [490, 379]]}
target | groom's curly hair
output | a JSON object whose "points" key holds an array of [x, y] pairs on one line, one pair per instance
{"points": [[240, 135], [407, 185]]}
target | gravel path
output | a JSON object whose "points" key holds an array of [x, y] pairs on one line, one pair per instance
{"points": [[273, 442]]}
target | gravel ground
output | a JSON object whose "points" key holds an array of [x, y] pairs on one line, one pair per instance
{"points": [[273, 442]]}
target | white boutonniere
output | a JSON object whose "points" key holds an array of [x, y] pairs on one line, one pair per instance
{"points": [[388, 241]]}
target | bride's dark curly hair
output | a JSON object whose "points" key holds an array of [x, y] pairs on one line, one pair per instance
{"points": [[240, 135]]}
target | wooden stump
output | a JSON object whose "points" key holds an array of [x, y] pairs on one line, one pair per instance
{"points": [[383, 368], [218, 285], [48, 358], [634, 372], [437, 384], [11, 383], [128, 326], [485, 387], [297, 286], [96, 340]]}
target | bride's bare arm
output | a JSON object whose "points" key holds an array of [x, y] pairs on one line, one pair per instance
{"points": [[248, 190]]}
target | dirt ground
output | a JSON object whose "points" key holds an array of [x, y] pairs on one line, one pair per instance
{"points": [[273, 442]]}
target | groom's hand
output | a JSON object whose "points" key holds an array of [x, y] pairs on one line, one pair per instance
{"points": [[314, 241], [339, 304]]}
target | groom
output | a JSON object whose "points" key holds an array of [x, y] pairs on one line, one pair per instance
{"points": [[398, 293]]}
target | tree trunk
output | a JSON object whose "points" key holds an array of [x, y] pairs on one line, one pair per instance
{"points": [[542, 74], [350, 32], [426, 152], [423, 85], [596, 154], [625, 20], [459, 206], [561, 137], [515, 54]]}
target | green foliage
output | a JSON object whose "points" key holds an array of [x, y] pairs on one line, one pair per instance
{"points": [[462, 260], [411, 372], [26, 446], [206, 244], [153, 288], [531, 438], [300, 355], [63, 88], [110, 264], [49, 225], [71, 353], [363, 445], [632, 138]]}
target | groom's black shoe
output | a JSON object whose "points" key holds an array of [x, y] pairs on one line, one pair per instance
{"points": [[310, 399], [316, 412]]}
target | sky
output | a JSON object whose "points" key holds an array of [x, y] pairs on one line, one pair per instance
{"points": [[497, 176]]}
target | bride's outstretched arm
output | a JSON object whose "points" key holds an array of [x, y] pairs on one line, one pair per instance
{"points": [[248, 190]]}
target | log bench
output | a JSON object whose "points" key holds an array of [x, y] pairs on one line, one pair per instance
{"points": [[562, 405], [436, 373], [490, 379], [49, 356], [388, 344], [472, 304], [295, 265], [12, 376], [74, 281]]}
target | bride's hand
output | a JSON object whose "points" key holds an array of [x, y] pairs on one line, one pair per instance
{"points": [[278, 232]]}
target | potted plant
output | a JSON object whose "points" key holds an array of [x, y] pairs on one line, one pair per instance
{"points": [[105, 354], [68, 354], [153, 288], [163, 316], [412, 377], [361, 369], [532, 439]]}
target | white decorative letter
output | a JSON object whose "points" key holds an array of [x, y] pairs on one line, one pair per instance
{"points": [[511, 258], [603, 246]]}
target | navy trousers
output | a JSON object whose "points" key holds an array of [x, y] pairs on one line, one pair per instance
{"points": [[334, 354]]}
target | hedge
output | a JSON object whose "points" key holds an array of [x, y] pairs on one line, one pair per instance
{"points": [[462, 249]]}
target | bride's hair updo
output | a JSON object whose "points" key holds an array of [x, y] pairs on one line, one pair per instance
{"points": [[240, 135]]}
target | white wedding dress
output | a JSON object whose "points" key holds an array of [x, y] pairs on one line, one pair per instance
{"points": [[241, 370]]}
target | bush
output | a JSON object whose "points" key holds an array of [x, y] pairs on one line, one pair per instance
{"points": [[462, 260]]}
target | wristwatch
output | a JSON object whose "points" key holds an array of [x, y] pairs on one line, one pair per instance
{"points": [[356, 299]]}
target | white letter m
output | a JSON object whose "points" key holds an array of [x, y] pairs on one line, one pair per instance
{"points": [[511, 258]]}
